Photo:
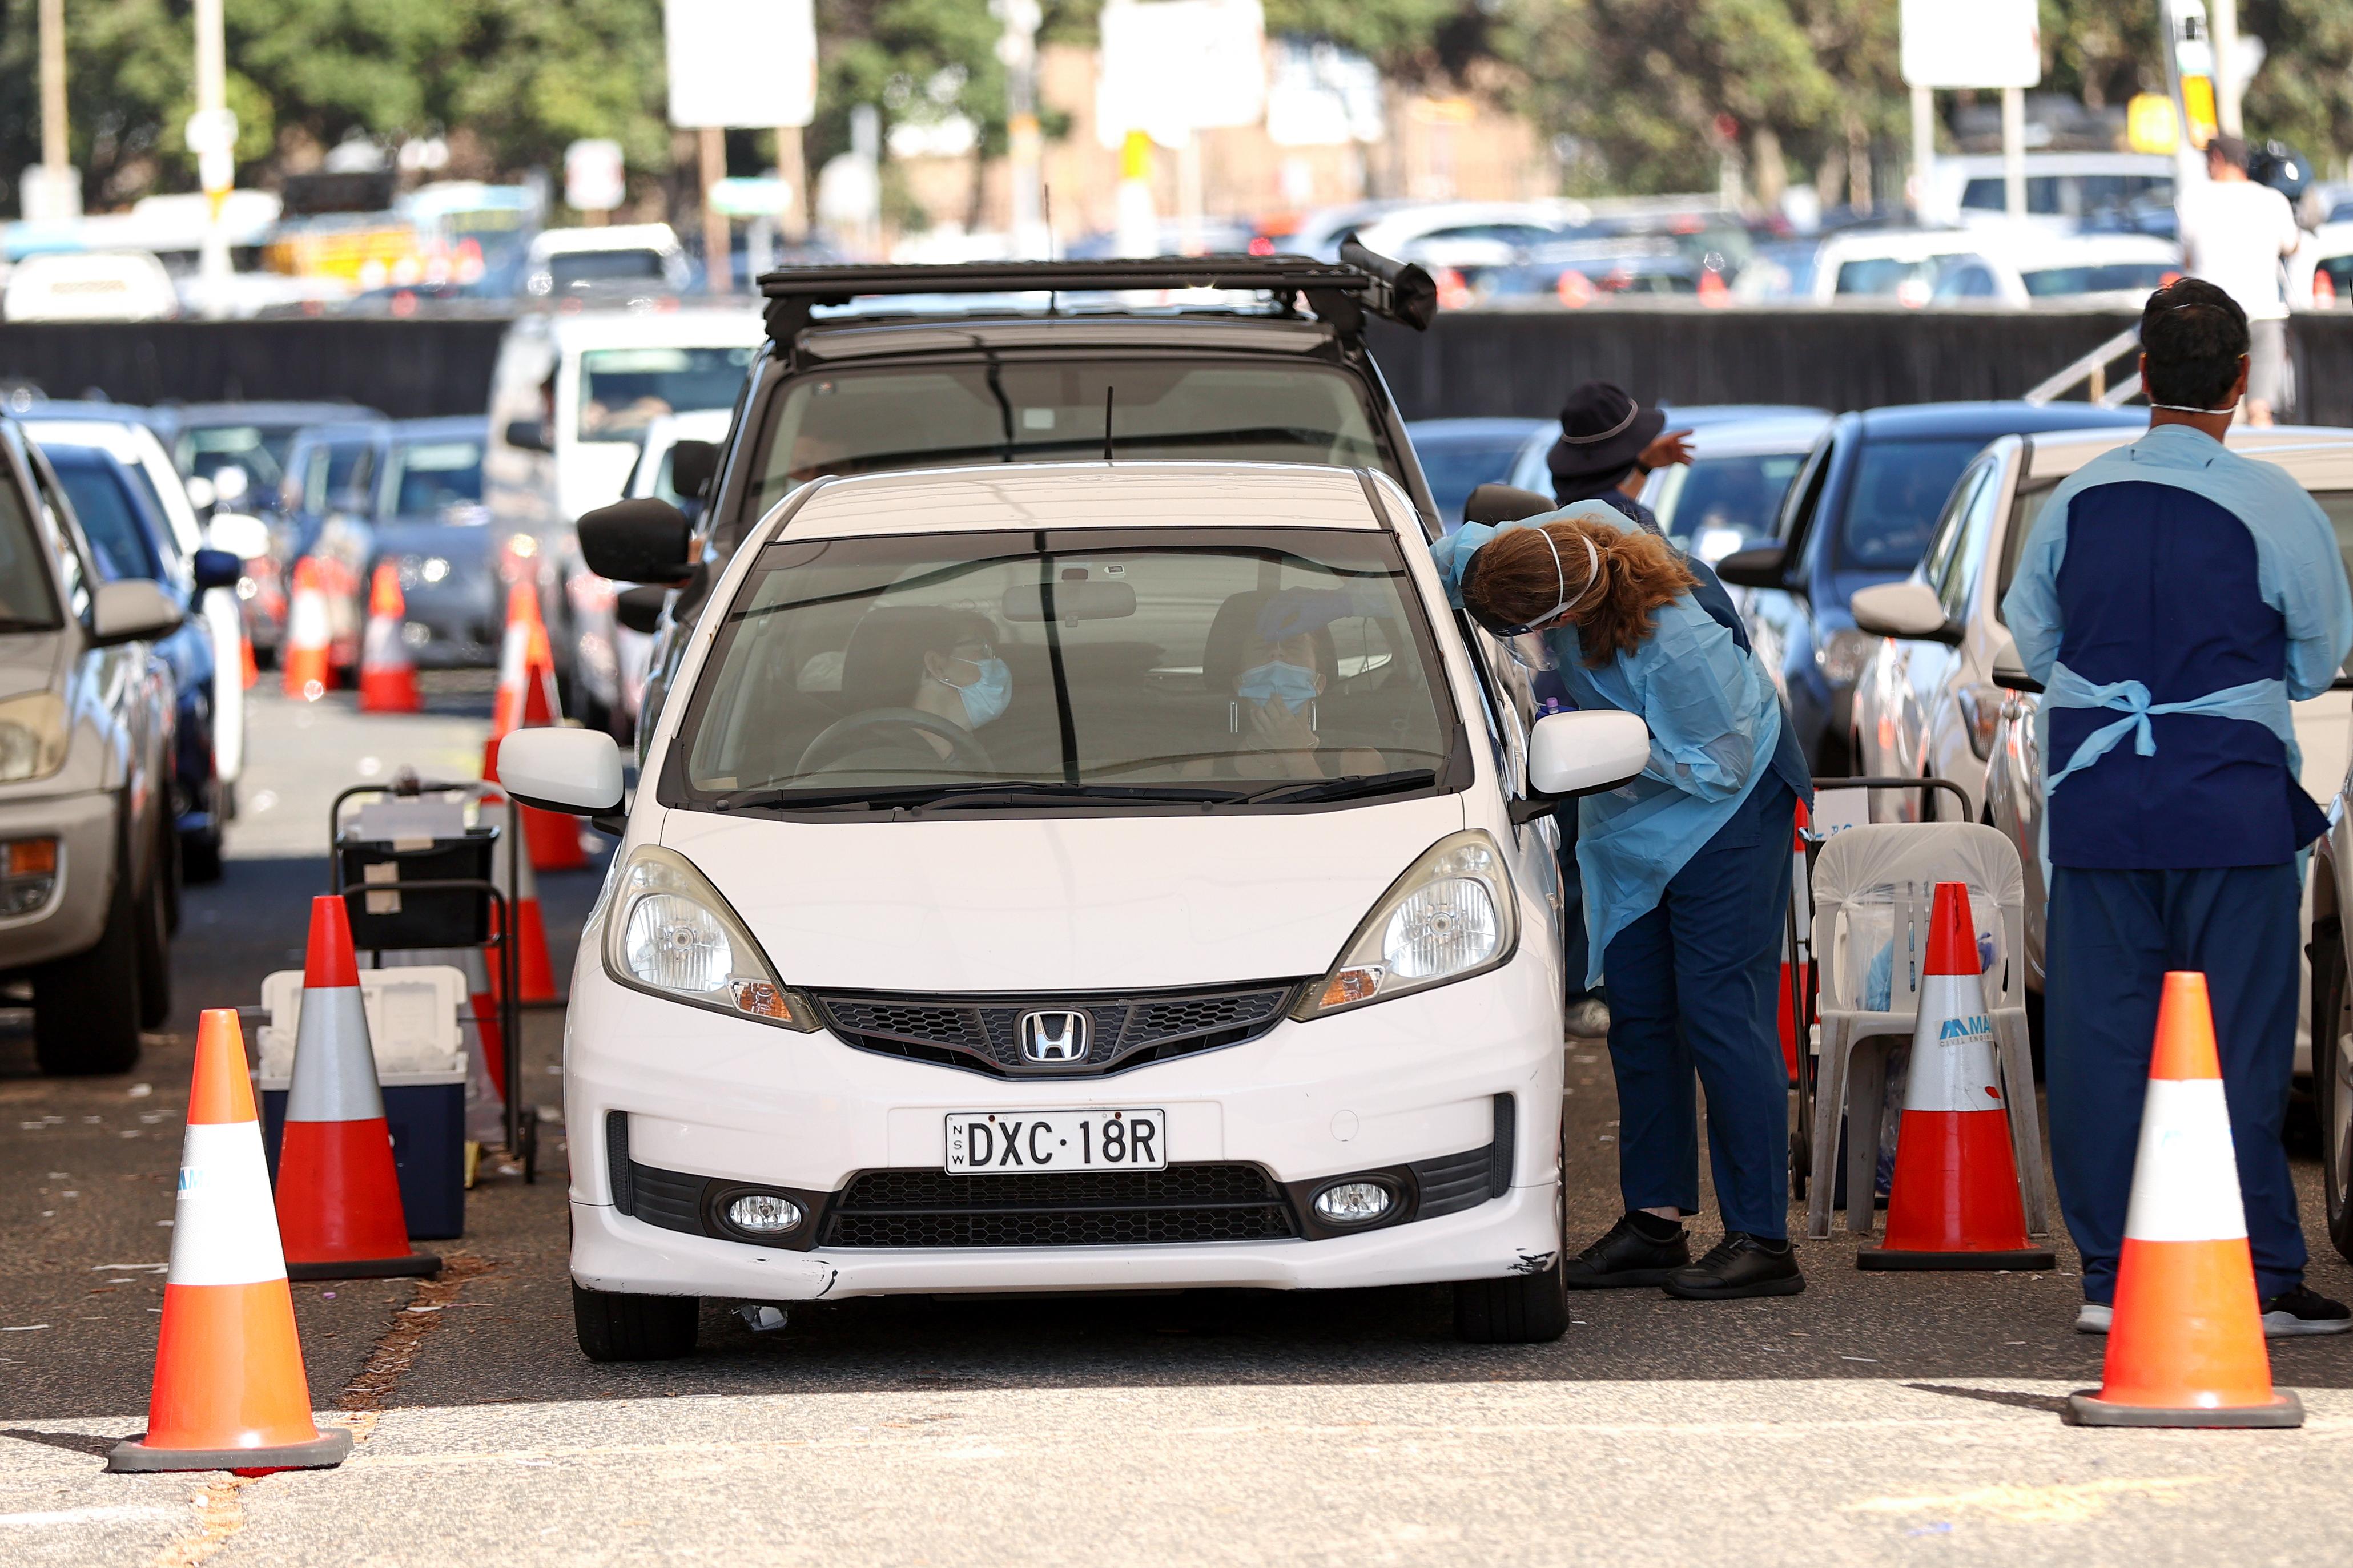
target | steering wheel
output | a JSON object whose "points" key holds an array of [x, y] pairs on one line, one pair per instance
{"points": [[844, 736]]}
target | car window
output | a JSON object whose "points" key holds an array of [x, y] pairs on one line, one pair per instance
{"points": [[337, 475], [1883, 274], [2338, 505], [1185, 665], [27, 602], [1455, 465], [208, 448], [1944, 545], [1892, 506], [1983, 498], [874, 421], [426, 478], [1725, 504], [1972, 281], [1804, 496], [72, 574], [622, 391], [2139, 277], [103, 505], [2024, 512], [568, 269]]}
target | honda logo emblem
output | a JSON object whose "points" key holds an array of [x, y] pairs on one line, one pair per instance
{"points": [[1054, 1037]]}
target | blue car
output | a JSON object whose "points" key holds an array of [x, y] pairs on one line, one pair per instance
{"points": [[128, 537], [1861, 513]]}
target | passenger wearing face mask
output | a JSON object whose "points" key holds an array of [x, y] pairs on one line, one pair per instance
{"points": [[963, 681], [1279, 687]]}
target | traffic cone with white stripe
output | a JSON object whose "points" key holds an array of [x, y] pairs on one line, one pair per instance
{"points": [[230, 1393], [535, 972], [387, 674], [338, 1190], [303, 657], [1955, 1202], [2186, 1344]]}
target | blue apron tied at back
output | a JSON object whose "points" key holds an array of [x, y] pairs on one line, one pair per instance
{"points": [[2261, 702]]}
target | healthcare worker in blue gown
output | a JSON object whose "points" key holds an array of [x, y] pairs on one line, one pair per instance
{"points": [[1686, 879], [2174, 597]]}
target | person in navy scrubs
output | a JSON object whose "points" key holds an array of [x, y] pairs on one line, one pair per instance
{"points": [[2174, 597]]}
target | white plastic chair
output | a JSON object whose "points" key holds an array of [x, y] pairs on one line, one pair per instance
{"points": [[1896, 866]]}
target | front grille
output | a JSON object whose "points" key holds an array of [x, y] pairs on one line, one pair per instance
{"points": [[982, 1033], [1076, 1208]]}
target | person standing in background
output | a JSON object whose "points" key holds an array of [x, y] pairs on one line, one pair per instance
{"points": [[2234, 233]]}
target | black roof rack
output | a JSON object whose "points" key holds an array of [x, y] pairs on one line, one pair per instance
{"points": [[1340, 292]]}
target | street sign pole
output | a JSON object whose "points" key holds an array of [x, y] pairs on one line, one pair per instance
{"points": [[1979, 45], [216, 154]]}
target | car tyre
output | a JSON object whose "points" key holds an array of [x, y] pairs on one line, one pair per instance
{"points": [[87, 1009], [613, 1325], [2332, 1102], [1526, 1308]]}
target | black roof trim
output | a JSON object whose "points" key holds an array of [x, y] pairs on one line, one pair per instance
{"points": [[1340, 292]]}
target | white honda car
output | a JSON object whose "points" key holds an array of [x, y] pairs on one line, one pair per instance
{"points": [[1068, 878]]}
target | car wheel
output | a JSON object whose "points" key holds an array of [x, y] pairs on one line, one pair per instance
{"points": [[2331, 1099], [1526, 1308], [615, 1326], [86, 1008]]}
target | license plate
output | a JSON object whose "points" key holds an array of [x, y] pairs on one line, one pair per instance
{"points": [[1024, 1143]]}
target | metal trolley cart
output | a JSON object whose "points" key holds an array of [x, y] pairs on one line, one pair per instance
{"points": [[441, 893], [1804, 990]]}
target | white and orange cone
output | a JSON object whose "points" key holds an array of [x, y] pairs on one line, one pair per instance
{"points": [[338, 1190], [302, 656], [2186, 1343], [1955, 1202], [527, 699], [534, 971], [231, 1393], [387, 673]]}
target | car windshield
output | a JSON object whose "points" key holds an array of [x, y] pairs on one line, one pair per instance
{"points": [[335, 476], [2114, 276], [1898, 491], [1074, 668], [1457, 465], [202, 452], [108, 516], [622, 391], [426, 478], [1885, 274], [570, 267], [1727, 503], [937, 416]]}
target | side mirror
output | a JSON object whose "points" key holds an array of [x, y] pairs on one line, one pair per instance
{"points": [[1756, 568], [639, 609], [216, 569], [133, 610], [1494, 504], [240, 535], [642, 541], [1583, 752], [1906, 609], [2010, 671], [692, 465], [529, 435], [577, 770]]}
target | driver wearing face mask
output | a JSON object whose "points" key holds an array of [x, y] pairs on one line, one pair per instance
{"points": [[963, 681]]}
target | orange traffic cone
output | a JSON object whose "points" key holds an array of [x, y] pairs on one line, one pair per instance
{"points": [[1954, 1203], [338, 1191], [1794, 938], [527, 699], [535, 973], [387, 675], [303, 655], [245, 658], [230, 1393], [2186, 1345]]}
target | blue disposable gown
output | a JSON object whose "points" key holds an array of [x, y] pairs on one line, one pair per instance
{"points": [[1714, 720]]}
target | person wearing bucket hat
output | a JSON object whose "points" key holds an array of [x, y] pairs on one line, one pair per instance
{"points": [[1608, 441]]}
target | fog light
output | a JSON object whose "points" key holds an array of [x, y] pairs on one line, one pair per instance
{"points": [[1353, 1203], [764, 1213]]}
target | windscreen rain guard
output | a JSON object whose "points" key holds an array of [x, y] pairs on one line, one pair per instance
{"points": [[805, 703]]}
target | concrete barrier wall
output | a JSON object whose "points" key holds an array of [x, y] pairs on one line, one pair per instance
{"points": [[1469, 362]]}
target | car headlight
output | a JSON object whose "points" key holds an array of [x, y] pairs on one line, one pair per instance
{"points": [[1450, 916], [1842, 653], [33, 735], [669, 933]]}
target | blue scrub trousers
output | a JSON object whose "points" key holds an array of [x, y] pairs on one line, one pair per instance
{"points": [[2110, 938], [1693, 989]]}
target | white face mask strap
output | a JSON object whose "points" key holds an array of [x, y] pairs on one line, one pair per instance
{"points": [[1561, 576]]}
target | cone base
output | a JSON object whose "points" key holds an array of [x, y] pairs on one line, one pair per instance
{"points": [[331, 1447], [1891, 1257], [2089, 1409], [415, 1263]]}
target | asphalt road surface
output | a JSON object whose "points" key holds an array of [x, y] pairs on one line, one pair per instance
{"points": [[1876, 1418]]}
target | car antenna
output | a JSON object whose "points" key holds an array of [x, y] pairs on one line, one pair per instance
{"points": [[1108, 390]]}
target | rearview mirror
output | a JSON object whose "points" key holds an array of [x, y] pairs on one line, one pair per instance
{"points": [[577, 770], [1494, 504], [1756, 568], [529, 435], [133, 610], [1072, 602], [642, 541], [2010, 671], [1906, 609], [1585, 751], [692, 465]]}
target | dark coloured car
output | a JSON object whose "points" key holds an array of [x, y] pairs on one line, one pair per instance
{"points": [[1861, 513], [431, 524]]}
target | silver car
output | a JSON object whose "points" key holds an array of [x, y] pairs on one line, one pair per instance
{"points": [[86, 848]]}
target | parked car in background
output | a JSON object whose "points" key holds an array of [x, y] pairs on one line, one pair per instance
{"points": [[1895, 266], [567, 262], [1729, 495], [2085, 271], [1576, 272], [1458, 456], [1704, 420], [86, 833], [327, 506], [2063, 190], [429, 521], [663, 472], [88, 286], [1469, 237], [2320, 274], [1861, 512]]}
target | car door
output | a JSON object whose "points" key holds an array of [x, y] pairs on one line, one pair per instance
{"points": [[1945, 685]]}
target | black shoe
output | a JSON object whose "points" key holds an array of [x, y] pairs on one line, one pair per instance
{"points": [[1740, 1265], [1631, 1254], [2296, 1312]]}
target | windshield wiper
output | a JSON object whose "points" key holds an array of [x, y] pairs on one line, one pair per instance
{"points": [[978, 793], [1341, 788], [1026, 793]]}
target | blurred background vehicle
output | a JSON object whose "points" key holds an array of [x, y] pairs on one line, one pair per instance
{"points": [[429, 521], [2063, 190], [1531, 472], [327, 501], [89, 286], [564, 262], [1458, 456], [1727, 496], [2077, 272]]}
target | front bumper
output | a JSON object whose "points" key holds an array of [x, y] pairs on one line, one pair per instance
{"points": [[1405, 1083], [74, 916]]}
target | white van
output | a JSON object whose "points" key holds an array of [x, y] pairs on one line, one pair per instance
{"points": [[2063, 189], [572, 397], [1213, 940], [89, 286]]}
